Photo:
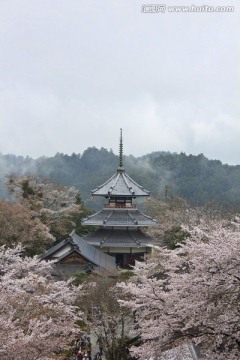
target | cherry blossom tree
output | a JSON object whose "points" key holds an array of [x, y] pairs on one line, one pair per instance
{"points": [[37, 315], [192, 294], [17, 225], [172, 213], [53, 204]]}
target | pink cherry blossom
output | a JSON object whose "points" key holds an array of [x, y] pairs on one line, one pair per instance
{"points": [[37, 313], [191, 294]]}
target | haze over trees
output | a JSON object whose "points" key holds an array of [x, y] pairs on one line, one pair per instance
{"points": [[194, 178], [41, 212]]}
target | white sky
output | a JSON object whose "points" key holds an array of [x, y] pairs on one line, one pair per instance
{"points": [[72, 72]]}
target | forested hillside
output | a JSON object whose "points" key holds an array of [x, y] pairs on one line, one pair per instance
{"points": [[195, 178]]}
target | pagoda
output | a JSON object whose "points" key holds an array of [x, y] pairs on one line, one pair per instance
{"points": [[119, 223]]}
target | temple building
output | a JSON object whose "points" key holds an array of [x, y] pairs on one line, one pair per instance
{"points": [[120, 221], [119, 240]]}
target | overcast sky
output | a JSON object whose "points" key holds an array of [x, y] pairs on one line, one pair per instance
{"points": [[72, 72]]}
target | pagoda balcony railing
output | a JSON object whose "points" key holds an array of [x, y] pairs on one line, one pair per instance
{"points": [[120, 206]]}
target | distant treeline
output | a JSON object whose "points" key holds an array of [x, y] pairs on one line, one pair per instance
{"points": [[194, 178]]}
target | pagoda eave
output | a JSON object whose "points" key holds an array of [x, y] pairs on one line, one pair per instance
{"points": [[126, 195], [116, 224], [119, 217], [126, 238], [120, 184]]}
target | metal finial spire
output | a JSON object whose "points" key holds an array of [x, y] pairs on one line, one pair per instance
{"points": [[121, 152]]}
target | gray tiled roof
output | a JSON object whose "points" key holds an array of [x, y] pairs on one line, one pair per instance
{"points": [[94, 255], [119, 217], [88, 251], [120, 184], [118, 238], [49, 253]]}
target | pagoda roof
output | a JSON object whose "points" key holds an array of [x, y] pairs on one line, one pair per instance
{"points": [[120, 184], [119, 217], [118, 238]]}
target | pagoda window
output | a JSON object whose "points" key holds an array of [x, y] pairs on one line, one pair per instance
{"points": [[120, 201]]}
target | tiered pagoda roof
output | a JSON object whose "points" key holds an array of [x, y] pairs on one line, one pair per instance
{"points": [[120, 189], [131, 217], [118, 238], [119, 221]]}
